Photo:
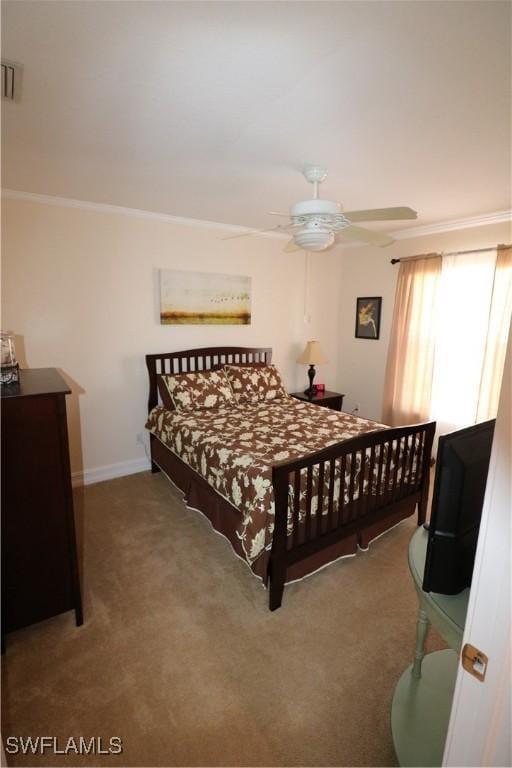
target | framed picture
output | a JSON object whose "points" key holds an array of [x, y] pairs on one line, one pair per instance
{"points": [[368, 317], [204, 298]]}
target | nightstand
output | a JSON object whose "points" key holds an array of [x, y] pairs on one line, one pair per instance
{"points": [[333, 400]]}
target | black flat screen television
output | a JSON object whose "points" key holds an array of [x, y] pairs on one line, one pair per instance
{"points": [[459, 488]]}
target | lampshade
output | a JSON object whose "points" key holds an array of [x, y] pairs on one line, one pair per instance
{"points": [[313, 354]]}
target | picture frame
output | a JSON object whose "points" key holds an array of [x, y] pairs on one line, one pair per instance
{"points": [[368, 311], [204, 298]]}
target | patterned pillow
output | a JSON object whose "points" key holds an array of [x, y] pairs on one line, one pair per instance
{"points": [[254, 384], [272, 383], [203, 389], [245, 383]]}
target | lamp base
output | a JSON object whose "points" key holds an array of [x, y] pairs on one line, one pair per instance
{"points": [[310, 391]]}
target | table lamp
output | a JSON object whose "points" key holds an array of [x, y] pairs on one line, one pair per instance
{"points": [[312, 356]]}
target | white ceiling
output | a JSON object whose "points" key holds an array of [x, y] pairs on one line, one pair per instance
{"points": [[209, 110]]}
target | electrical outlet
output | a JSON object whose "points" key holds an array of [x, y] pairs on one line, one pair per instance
{"points": [[140, 439]]}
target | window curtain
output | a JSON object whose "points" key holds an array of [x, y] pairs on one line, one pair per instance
{"points": [[410, 364], [496, 346], [460, 332], [448, 339]]}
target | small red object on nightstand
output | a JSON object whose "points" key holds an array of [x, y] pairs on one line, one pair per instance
{"points": [[319, 387]]}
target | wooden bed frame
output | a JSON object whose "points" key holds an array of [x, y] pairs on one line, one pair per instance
{"points": [[367, 508]]}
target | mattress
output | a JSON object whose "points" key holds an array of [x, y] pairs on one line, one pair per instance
{"points": [[234, 450]]}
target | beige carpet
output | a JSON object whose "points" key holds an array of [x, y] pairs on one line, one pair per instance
{"points": [[180, 657]]}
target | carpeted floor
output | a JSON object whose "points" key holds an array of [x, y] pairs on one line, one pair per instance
{"points": [[180, 657]]}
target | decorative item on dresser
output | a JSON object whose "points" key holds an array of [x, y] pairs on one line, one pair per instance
{"points": [[299, 512], [325, 398], [9, 368], [312, 355], [39, 558]]}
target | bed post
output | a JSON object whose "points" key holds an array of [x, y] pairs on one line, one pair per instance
{"points": [[152, 402], [430, 430], [277, 563], [154, 467]]}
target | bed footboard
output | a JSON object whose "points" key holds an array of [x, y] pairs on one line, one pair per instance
{"points": [[336, 492]]}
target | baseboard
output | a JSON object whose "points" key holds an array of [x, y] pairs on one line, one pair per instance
{"points": [[109, 471]]}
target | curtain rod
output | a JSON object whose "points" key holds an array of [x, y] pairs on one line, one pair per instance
{"points": [[450, 253]]}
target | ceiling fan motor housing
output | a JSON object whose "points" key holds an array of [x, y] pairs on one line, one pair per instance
{"points": [[318, 221], [318, 207]]}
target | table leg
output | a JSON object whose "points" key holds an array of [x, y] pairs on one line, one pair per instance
{"points": [[422, 625]]}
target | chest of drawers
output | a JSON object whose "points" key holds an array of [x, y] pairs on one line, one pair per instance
{"points": [[39, 556]]}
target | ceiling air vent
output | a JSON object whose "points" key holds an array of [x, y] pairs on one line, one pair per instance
{"points": [[10, 81]]}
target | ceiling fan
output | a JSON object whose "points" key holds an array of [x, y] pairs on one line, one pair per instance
{"points": [[317, 224]]}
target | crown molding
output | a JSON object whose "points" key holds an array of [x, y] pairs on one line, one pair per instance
{"points": [[497, 217], [68, 202], [485, 219]]}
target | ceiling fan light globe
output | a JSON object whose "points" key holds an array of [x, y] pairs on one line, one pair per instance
{"points": [[314, 239]]}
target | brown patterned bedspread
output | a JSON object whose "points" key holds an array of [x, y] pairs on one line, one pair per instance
{"points": [[234, 448]]}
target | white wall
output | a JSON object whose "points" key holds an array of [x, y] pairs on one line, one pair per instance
{"points": [[80, 290], [366, 271]]}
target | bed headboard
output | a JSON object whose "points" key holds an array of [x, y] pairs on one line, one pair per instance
{"points": [[203, 359]]}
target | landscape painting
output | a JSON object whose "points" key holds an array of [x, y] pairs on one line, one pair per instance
{"points": [[204, 298]]}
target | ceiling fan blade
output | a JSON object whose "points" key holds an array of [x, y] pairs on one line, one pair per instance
{"points": [[251, 232], [381, 214], [278, 213], [363, 235], [290, 246]]}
